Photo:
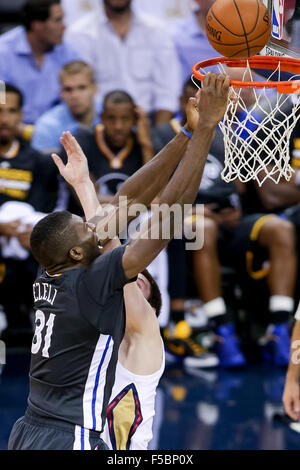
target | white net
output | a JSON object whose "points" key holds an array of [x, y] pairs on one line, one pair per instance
{"points": [[257, 127]]}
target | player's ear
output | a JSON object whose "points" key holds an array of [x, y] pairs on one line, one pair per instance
{"points": [[76, 253]]}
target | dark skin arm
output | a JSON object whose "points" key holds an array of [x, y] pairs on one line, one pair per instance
{"points": [[140, 188]]}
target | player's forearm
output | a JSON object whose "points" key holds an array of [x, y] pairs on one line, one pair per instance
{"points": [[293, 373]]}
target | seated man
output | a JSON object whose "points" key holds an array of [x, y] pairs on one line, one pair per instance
{"points": [[32, 55], [78, 110], [28, 177]]}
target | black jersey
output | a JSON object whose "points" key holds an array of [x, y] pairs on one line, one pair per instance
{"points": [[79, 324], [213, 189], [108, 180], [29, 177]]}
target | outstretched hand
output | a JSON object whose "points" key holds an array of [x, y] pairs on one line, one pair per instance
{"points": [[76, 171]]}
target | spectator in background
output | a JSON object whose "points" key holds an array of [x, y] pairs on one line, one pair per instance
{"points": [[130, 52], [32, 55], [28, 183], [190, 39], [114, 149], [78, 110]]}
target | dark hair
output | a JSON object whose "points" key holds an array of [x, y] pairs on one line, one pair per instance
{"points": [[13, 89], [36, 10], [50, 238], [155, 295], [117, 97], [75, 67]]}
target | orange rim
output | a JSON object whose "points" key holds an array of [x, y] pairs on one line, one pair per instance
{"points": [[287, 64]]}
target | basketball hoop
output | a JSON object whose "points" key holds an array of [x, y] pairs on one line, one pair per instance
{"points": [[257, 135]]}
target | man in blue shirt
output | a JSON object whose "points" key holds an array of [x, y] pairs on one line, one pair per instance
{"points": [[190, 39], [32, 55], [78, 110]]}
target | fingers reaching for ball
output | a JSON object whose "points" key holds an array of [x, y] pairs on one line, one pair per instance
{"points": [[213, 98]]}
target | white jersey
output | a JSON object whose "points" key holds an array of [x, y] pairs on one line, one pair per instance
{"points": [[131, 409]]}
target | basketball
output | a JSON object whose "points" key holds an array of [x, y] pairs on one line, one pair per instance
{"points": [[238, 28]]}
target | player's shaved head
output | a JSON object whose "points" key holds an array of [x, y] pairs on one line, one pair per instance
{"points": [[50, 238]]}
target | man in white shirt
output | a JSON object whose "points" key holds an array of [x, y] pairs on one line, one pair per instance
{"points": [[131, 52]]}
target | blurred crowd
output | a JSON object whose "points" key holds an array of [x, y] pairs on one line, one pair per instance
{"points": [[117, 74]]}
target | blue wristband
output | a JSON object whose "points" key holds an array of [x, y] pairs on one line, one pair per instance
{"points": [[185, 132]]}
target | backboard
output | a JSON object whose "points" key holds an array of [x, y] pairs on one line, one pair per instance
{"points": [[285, 36]]}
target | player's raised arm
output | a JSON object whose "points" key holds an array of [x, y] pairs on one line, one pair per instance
{"points": [[76, 174], [184, 184], [140, 188]]}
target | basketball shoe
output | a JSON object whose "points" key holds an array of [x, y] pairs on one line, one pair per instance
{"points": [[227, 347], [276, 345]]}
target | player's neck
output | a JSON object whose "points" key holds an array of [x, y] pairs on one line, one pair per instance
{"points": [[58, 269]]}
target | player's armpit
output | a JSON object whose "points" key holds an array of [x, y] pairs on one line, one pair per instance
{"points": [[140, 317]]}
